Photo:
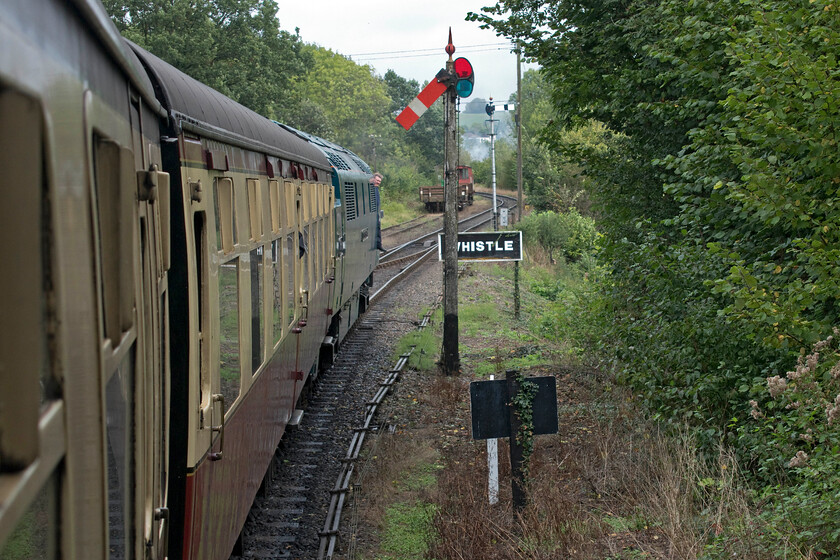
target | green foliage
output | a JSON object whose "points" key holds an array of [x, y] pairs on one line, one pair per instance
{"points": [[424, 346], [234, 46], [353, 100], [523, 402], [716, 178], [568, 233], [550, 179], [237, 47], [792, 440]]}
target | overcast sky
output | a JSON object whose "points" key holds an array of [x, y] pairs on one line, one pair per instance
{"points": [[408, 37]]}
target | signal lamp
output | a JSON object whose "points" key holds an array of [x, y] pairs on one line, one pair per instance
{"points": [[465, 76]]}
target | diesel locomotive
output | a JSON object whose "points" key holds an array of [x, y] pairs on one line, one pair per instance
{"points": [[176, 268]]}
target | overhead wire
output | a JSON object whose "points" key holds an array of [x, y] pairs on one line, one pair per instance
{"points": [[416, 53]]}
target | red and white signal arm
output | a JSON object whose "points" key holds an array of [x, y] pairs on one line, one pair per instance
{"points": [[419, 104]]}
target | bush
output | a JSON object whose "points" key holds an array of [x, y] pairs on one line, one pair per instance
{"points": [[794, 441], [568, 233]]}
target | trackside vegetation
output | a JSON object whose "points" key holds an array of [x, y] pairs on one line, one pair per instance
{"points": [[715, 186]]}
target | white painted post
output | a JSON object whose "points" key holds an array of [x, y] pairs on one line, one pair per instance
{"points": [[493, 468]]}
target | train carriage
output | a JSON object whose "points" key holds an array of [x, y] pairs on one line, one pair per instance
{"points": [[83, 336], [180, 263], [251, 287]]}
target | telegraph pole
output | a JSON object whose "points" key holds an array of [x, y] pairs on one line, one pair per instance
{"points": [[519, 133], [450, 359], [516, 304]]}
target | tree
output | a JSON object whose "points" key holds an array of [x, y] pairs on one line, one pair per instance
{"points": [[353, 100], [234, 46]]}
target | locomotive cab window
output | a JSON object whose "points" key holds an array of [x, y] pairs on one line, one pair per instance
{"points": [[336, 188]]}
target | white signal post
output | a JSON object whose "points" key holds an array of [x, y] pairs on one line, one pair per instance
{"points": [[490, 110], [493, 467]]}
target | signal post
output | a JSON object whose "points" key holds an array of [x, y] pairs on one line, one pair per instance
{"points": [[456, 80], [450, 358]]}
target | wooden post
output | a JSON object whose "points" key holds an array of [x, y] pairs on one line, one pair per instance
{"points": [[517, 478], [450, 358]]}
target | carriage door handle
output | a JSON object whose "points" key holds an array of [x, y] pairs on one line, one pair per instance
{"points": [[220, 428], [162, 514]]}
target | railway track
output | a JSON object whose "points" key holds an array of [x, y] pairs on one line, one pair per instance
{"points": [[298, 508]]}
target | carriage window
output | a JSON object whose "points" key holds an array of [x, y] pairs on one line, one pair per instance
{"points": [[119, 406], [319, 252], [225, 215], [306, 260], [202, 297], [229, 330], [277, 289], [290, 253], [315, 249], [257, 275], [114, 176], [276, 205], [327, 200], [255, 208], [306, 195], [26, 383], [291, 215], [325, 244], [322, 248]]}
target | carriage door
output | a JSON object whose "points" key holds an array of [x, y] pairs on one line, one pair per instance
{"points": [[340, 240], [152, 314]]}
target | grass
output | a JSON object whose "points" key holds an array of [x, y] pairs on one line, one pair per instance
{"points": [[408, 530], [400, 210], [30, 539], [424, 345], [21, 545]]}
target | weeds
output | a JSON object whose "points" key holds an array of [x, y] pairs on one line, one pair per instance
{"points": [[609, 485]]}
